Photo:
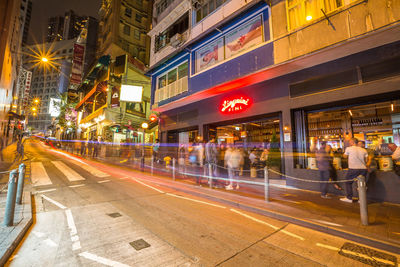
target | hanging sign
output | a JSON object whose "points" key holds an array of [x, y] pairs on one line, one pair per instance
{"points": [[115, 97], [235, 104]]}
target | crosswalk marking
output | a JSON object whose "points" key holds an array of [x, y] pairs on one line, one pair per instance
{"points": [[90, 169], [67, 171], [39, 175]]}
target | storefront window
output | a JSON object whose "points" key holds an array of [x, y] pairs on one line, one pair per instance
{"points": [[376, 124], [162, 81]]}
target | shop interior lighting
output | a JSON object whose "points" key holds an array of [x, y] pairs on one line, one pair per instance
{"points": [[392, 106], [351, 113], [308, 18]]}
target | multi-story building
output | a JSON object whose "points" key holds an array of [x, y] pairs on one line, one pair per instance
{"points": [[26, 14], [123, 28], [283, 75], [55, 29], [65, 27], [122, 53], [49, 80], [11, 25]]}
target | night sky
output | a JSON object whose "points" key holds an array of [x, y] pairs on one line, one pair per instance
{"points": [[43, 9]]}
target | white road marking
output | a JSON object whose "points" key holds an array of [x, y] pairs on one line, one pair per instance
{"points": [[255, 219], [61, 206], [355, 254], [45, 191], [39, 175], [67, 171], [195, 200], [38, 234], [149, 186], [71, 223], [77, 185], [327, 246], [124, 178], [270, 225], [102, 260], [50, 243], [90, 169], [292, 235], [76, 244], [328, 223], [104, 181]]}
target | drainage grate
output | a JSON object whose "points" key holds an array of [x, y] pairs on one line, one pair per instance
{"points": [[114, 215], [368, 256], [139, 244]]}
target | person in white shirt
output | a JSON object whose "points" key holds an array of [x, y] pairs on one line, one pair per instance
{"points": [[357, 160]]}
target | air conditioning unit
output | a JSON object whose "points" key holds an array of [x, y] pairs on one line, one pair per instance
{"points": [[176, 40]]}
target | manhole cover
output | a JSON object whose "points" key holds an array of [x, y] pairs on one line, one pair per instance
{"points": [[114, 215], [139, 244], [368, 256]]}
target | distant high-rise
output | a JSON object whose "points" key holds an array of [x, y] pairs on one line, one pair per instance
{"points": [[55, 28], [26, 13], [65, 27]]}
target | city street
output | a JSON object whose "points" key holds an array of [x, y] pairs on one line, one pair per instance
{"points": [[88, 214]]}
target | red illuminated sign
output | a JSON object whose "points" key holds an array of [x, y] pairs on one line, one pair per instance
{"points": [[235, 104], [153, 117]]}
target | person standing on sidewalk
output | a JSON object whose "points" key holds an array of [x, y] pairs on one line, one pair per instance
{"points": [[211, 156], [324, 163], [233, 159], [357, 161]]}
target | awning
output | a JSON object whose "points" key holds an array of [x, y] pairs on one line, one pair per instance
{"points": [[93, 115]]}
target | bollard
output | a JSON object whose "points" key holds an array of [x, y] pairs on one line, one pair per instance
{"points": [[266, 184], [173, 168], [20, 187], [362, 199], [10, 204], [152, 165], [210, 174]]}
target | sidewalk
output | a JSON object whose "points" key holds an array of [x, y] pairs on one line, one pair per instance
{"points": [[12, 235], [305, 208]]}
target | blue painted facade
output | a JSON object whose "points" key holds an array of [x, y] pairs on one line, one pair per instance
{"points": [[233, 68]]}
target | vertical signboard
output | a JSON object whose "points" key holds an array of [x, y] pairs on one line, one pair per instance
{"points": [[115, 97], [77, 65], [28, 81]]}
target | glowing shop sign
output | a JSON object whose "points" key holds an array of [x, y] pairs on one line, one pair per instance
{"points": [[233, 105]]}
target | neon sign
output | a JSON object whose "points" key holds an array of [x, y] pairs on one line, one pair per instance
{"points": [[235, 104]]}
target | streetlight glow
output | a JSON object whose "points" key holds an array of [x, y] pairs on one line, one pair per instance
{"points": [[34, 109], [36, 100], [145, 125], [45, 59]]}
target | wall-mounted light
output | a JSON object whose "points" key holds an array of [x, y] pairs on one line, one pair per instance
{"points": [[351, 113]]}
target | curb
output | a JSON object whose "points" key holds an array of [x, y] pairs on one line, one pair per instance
{"points": [[28, 223]]}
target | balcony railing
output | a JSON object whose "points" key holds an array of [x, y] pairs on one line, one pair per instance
{"points": [[173, 89]]}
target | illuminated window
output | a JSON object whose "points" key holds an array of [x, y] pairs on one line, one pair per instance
{"points": [[301, 12]]}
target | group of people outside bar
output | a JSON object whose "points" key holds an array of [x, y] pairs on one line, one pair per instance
{"points": [[360, 162]]}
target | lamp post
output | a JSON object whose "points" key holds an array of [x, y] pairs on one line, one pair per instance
{"points": [[145, 125]]}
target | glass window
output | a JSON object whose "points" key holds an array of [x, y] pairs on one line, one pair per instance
{"points": [[172, 76], [127, 30], [302, 11], [183, 70], [128, 12], [377, 125], [138, 18], [137, 34], [162, 81], [203, 10]]}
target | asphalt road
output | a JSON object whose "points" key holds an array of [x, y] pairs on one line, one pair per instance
{"points": [[88, 214]]}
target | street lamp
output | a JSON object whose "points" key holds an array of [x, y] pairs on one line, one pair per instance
{"points": [[45, 59]]}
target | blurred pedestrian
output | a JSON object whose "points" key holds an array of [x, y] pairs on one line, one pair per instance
{"points": [[156, 148], [211, 157], [96, 147], [357, 161], [324, 163], [233, 161], [83, 147], [2, 145], [90, 147]]}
